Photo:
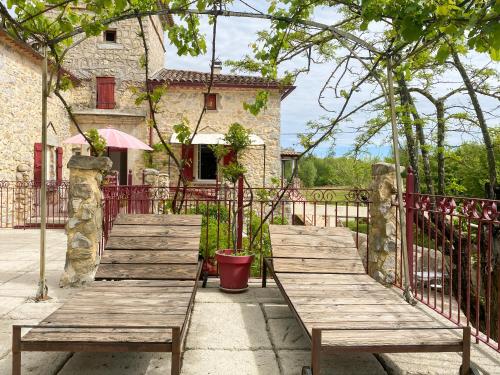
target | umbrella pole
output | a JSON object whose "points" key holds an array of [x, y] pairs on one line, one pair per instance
{"points": [[399, 183], [42, 283]]}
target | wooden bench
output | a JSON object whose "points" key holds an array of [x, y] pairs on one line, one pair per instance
{"points": [[341, 309], [148, 279]]}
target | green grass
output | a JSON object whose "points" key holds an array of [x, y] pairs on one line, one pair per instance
{"points": [[360, 228], [327, 194]]}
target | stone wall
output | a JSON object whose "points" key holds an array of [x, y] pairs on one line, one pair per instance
{"points": [[84, 227], [21, 112], [95, 57], [179, 103]]}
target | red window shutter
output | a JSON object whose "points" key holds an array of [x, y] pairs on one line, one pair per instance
{"points": [[211, 102], [59, 165], [37, 164], [228, 158], [188, 155], [105, 92]]}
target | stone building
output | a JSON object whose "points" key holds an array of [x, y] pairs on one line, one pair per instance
{"points": [[21, 116], [107, 68]]}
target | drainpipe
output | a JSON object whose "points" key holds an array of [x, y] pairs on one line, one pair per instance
{"points": [[150, 132], [264, 175]]}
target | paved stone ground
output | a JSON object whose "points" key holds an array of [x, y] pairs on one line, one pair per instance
{"points": [[249, 334]]}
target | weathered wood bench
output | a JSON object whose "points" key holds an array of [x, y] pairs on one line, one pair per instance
{"points": [[341, 308], [152, 271]]}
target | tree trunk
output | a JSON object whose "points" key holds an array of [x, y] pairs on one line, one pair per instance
{"points": [[440, 145], [492, 172], [408, 129], [423, 143]]}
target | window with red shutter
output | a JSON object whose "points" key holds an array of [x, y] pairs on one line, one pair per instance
{"points": [[188, 155], [37, 164], [105, 92], [211, 102], [59, 165]]}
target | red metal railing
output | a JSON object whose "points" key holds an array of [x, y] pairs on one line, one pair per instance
{"points": [[454, 248], [20, 204], [319, 207]]}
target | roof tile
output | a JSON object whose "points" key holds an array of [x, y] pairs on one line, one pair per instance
{"points": [[173, 76]]}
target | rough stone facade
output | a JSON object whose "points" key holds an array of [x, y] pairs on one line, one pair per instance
{"points": [[94, 57], [84, 227], [21, 109], [180, 102], [383, 234]]}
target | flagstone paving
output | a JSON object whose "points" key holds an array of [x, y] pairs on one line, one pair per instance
{"points": [[249, 334]]}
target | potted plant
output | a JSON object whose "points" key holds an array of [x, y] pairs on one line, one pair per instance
{"points": [[234, 264]]}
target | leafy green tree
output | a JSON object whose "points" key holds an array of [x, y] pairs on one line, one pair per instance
{"points": [[307, 172]]}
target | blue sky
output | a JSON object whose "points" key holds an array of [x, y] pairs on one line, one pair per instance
{"points": [[234, 36]]}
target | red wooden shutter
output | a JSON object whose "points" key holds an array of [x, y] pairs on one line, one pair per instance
{"points": [[228, 158], [188, 155], [37, 165], [105, 92], [59, 165], [211, 101]]}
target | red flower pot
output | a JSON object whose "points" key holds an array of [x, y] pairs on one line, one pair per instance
{"points": [[234, 270], [210, 267]]}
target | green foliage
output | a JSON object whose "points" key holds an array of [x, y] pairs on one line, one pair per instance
{"points": [[96, 140], [307, 172], [335, 171], [233, 171], [182, 131], [466, 172], [237, 138], [215, 234], [259, 104]]}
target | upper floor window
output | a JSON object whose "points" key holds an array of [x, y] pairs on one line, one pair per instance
{"points": [[105, 92], [211, 102], [110, 36]]}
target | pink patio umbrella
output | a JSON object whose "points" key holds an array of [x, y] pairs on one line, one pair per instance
{"points": [[114, 138]]}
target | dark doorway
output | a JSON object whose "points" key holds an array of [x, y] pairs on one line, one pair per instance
{"points": [[207, 163], [119, 158]]}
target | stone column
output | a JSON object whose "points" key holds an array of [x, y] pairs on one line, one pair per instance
{"points": [[151, 178], [23, 195], [383, 223], [84, 227]]}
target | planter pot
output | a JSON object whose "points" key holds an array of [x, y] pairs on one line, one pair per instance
{"points": [[210, 266], [234, 271]]}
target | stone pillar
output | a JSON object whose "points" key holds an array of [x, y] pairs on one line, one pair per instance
{"points": [[23, 194], [151, 177], [84, 227], [383, 223]]}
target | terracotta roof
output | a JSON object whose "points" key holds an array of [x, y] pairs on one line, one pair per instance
{"points": [[26, 50], [193, 78], [288, 152]]}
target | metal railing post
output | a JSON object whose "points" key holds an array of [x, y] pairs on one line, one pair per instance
{"points": [[410, 218], [239, 238]]}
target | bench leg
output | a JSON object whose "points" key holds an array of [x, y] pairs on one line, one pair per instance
{"points": [[16, 350], [264, 273], [316, 351], [176, 351], [465, 368]]}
